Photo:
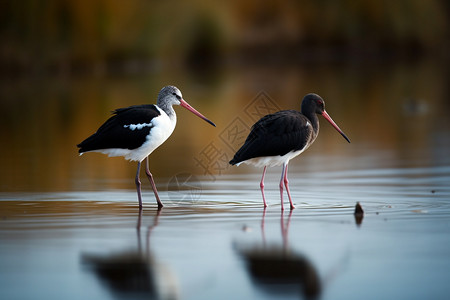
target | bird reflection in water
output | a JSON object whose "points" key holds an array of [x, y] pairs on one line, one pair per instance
{"points": [[277, 269], [134, 274]]}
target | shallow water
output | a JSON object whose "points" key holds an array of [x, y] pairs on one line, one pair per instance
{"points": [[222, 244], [70, 227]]}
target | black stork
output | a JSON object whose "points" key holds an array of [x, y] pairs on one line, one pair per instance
{"points": [[134, 132], [277, 138]]}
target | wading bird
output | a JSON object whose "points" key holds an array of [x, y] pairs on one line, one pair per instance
{"points": [[134, 132], [279, 137]]}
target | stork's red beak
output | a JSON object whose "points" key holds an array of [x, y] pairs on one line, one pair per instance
{"points": [[195, 112], [329, 119]]}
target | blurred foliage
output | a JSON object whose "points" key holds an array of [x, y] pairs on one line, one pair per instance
{"points": [[101, 36]]}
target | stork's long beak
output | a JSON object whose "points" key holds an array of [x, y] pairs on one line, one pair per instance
{"points": [[329, 119], [195, 112]]}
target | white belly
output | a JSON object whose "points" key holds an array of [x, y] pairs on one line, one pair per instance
{"points": [[272, 161]]}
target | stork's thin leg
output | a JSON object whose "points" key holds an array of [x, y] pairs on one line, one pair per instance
{"points": [[150, 178], [286, 184], [138, 185], [261, 185], [283, 172]]}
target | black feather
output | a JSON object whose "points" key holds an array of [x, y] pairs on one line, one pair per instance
{"points": [[275, 134], [113, 134]]}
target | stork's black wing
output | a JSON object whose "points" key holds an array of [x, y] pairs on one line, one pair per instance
{"points": [[275, 134], [116, 132]]}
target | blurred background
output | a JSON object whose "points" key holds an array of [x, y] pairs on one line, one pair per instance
{"points": [[87, 38], [381, 66]]}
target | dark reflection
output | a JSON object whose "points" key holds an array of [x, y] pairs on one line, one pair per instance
{"points": [[133, 274], [277, 269], [359, 214]]}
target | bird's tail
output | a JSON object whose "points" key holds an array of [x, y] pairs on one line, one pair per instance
{"points": [[233, 161], [86, 145], [237, 159]]}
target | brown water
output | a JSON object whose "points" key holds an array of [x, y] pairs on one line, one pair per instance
{"points": [[69, 225]]}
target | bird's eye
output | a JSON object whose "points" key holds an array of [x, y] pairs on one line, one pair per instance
{"points": [[178, 96]]}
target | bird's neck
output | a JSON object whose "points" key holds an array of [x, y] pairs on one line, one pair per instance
{"points": [[312, 117], [168, 109]]}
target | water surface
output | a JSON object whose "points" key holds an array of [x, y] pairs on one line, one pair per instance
{"points": [[70, 227], [97, 245]]}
